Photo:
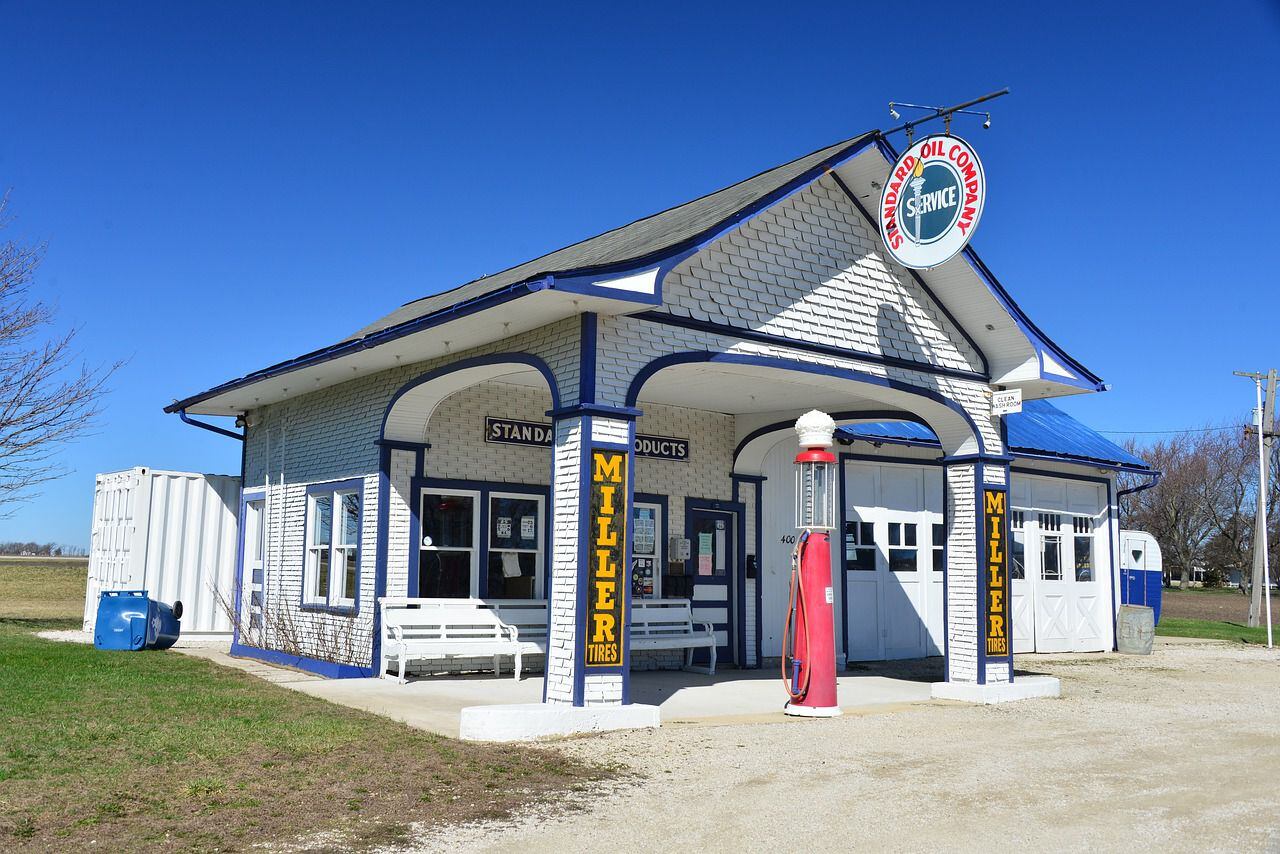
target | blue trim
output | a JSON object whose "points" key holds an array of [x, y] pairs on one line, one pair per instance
{"points": [[977, 458], [327, 669], [875, 228], [732, 574], [356, 485], [212, 428], [474, 361], [401, 445], [484, 490], [1083, 461], [741, 597], [373, 339], [239, 585], [620, 413], [588, 286], [694, 356], [587, 358], [1038, 339], [748, 334], [627, 558]]}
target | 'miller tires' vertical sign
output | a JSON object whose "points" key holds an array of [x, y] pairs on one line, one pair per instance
{"points": [[606, 554], [997, 571]]}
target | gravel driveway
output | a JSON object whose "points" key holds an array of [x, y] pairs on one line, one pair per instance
{"points": [[1178, 752]]}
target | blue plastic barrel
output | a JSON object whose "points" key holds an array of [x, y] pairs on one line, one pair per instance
{"points": [[130, 620]]}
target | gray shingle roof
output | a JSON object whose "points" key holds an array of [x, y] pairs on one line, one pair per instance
{"points": [[630, 244]]}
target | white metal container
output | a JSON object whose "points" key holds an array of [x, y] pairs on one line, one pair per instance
{"points": [[170, 533]]}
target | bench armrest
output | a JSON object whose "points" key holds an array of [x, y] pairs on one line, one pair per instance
{"points": [[710, 628]]}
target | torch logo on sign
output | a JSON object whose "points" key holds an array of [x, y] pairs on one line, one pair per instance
{"points": [[932, 201]]}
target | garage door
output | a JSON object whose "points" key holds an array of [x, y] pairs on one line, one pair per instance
{"points": [[893, 538], [1060, 566]]}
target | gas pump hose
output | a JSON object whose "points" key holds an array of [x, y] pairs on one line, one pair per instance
{"points": [[796, 603]]}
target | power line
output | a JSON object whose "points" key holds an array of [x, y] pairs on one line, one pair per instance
{"points": [[1189, 430]]}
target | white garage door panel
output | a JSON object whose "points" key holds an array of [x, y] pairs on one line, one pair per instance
{"points": [[1089, 634], [864, 618], [903, 610], [1024, 632]]}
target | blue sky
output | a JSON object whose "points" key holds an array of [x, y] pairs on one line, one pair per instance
{"points": [[225, 185]]}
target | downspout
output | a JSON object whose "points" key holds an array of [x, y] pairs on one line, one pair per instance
{"points": [[213, 428], [1142, 487]]}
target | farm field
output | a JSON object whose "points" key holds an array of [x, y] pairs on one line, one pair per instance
{"points": [[43, 589]]}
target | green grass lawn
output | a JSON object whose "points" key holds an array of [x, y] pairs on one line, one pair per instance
{"points": [[157, 750], [1213, 630]]}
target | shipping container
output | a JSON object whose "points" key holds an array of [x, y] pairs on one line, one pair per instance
{"points": [[172, 534]]}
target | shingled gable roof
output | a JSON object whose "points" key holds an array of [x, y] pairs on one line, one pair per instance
{"points": [[633, 244]]}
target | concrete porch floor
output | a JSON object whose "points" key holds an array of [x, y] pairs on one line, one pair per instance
{"points": [[435, 703]]}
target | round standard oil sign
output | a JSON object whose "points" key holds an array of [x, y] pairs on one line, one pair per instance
{"points": [[932, 201]]}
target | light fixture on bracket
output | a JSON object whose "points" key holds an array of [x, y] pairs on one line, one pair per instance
{"points": [[944, 113]]}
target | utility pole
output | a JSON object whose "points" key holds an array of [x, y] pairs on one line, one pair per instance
{"points": [[1264, 420]]}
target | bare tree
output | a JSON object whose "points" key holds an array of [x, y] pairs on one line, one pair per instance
{"points": [[47, 395], [1201, 511]]}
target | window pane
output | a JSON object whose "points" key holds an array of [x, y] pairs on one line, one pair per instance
{"points": [[447, 520], [1050, 562], [895, 534], [322, 573], [1018, 567], [911, 533], [939, 535], [444, 574], [868, 534], [512, 575], [349, 589], [939, 560], [902, 560], [349, 532], [321, 520], [860, 560], [1084, 558], [513, 523]]}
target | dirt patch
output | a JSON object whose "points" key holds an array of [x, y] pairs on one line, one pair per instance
{"points": [[1176, 752], [1229, 606]]}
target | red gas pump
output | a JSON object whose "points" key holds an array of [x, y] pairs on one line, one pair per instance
{"points": [[808, 638]]}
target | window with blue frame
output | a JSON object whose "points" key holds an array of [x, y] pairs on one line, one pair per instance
{"points": [[332, 572]]}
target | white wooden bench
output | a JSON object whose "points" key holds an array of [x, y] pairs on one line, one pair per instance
{"points": [[668, 624], [418, 629]]}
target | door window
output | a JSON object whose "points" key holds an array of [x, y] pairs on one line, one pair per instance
{"points": [[448, 549], [1082, 543], [939, 547], [515, 539], [859, 546], [646, 551], [1018, 557], [1050, 547], [902, 546]]}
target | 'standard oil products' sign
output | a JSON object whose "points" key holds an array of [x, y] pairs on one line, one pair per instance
{"points": [[997, 573], [606, 556], [932, 201], [507, 431]]}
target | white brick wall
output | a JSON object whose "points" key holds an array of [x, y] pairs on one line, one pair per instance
{"points": [[456, 433], [563, 597], [962, 573]]}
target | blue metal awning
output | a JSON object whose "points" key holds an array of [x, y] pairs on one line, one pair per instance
{"points": [[1040, 430]]}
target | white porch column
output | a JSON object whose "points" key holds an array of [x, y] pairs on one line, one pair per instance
{"points": [[590, 597], [979, 636]]}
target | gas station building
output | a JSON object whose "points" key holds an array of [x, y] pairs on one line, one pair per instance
{"points": [[446, 450]]}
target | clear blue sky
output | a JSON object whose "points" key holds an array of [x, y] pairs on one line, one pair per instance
{"points": [[223, 185]]}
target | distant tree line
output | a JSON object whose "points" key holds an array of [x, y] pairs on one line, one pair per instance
{"points": [[1202, 510], [33, 549]]}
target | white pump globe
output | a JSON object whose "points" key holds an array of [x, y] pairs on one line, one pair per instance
{"points": [[815, 429]]}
